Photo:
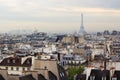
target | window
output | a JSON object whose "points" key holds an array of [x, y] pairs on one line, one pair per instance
{"points": [[23, 69], [11, 68], [6, 68], [92, 77], [62, 74], [8, 61], [45, 67], [17, 68], [66, 58], [114, 78], [13, 61], [28, 69], [69, 59], [103, 78], [28, 62]]}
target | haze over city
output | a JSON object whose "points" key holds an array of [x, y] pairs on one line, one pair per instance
{"points": [[59, 39], [59, 15]]}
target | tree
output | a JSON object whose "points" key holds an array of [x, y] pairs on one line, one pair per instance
{"points": [[73, 70]]}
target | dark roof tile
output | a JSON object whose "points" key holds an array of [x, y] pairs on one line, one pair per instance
{"points": [[16, 62]]}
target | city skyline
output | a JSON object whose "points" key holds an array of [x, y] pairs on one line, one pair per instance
{"points": [[59, 16]]}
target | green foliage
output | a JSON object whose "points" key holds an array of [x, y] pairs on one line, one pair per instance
{"points": [[73, 70]]}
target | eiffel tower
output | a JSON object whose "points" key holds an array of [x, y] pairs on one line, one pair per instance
{"points": [[81, 31]]}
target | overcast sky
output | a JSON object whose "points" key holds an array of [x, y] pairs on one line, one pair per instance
{"points": [[59, 15]]}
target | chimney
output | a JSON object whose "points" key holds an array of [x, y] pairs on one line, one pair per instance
{"points": [[58, 56]]}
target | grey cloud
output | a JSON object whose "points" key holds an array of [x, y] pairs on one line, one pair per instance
{"points": [[30, 7], [114, 4], [45, 11]]}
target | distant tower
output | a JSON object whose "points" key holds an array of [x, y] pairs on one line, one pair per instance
{"points": [[81, 31], [35, 30]]}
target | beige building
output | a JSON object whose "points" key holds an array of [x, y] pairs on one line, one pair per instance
{"points": [[73, 39], [29, 69], [68, 39]]}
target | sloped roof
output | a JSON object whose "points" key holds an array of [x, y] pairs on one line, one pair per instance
{"points": [[99, 74], [1, 77], [26, 77], [16, 61], [52, 76], [117, 74], [41, 77], [62, 73]]}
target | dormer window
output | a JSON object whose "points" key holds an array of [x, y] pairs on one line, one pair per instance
{"points": [[92, 77], [62, 74], [8, 61], [13, 61], [104, 78], [114, 78], [28, 62]]}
